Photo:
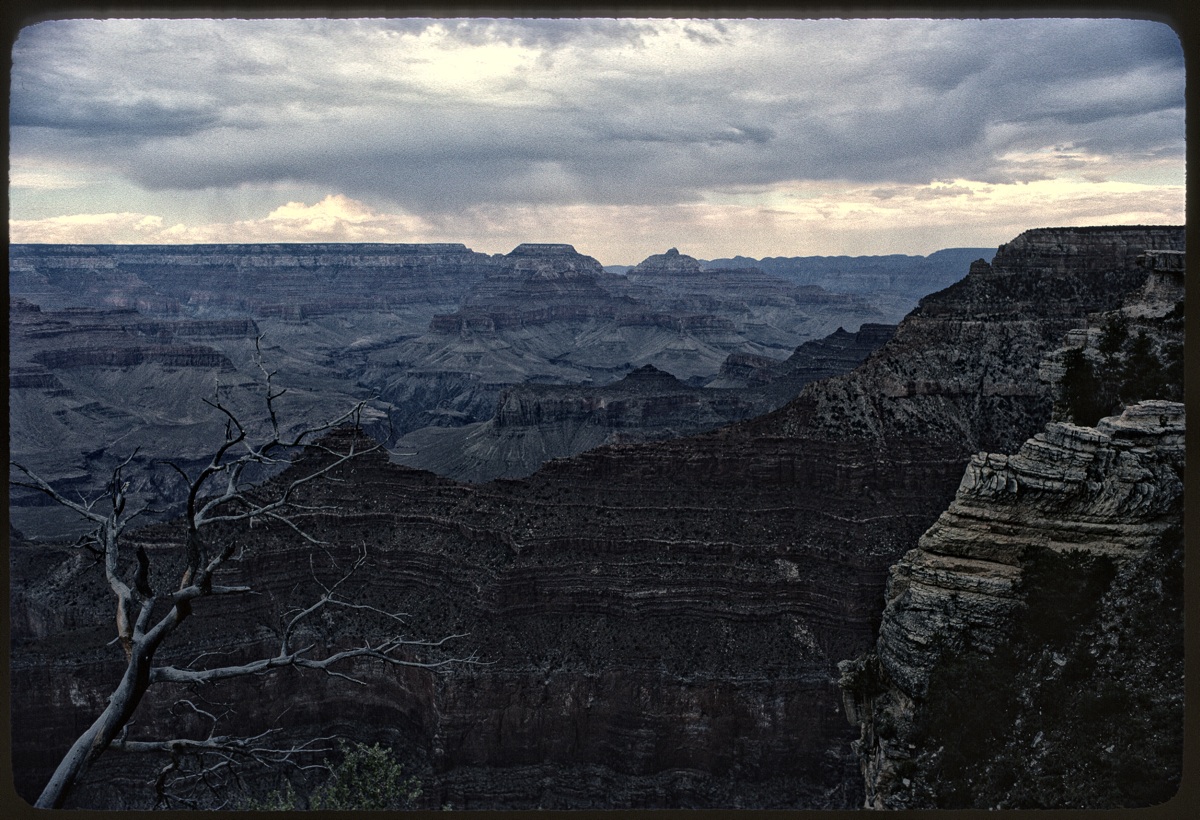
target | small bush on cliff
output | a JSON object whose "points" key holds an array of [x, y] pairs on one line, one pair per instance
{"points": [[1131, 368], [1113, 336], [1085, 395], [1082, 707], [1067, 584], [979, 694], [367, 778], [1143, 374]]}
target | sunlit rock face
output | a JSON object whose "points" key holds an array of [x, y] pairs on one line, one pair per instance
{"points": [[661, 622]]}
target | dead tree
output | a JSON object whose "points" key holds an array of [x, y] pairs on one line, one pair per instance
{"points": [[146, 618]]}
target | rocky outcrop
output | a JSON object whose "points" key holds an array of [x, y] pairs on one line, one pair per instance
{"points": [[671, 263], [1051, 534], [1049, 592], [1124, 354]]}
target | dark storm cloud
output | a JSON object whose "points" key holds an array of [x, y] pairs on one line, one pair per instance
{"points": [[135, 121], [589, 111]]}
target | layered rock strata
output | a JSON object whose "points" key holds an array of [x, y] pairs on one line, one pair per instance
{"points": [[550, 315], [1099, 506], [535, 423], [973, 351], [1049, 591], [85, 382], [293, 281], [124, 343]]}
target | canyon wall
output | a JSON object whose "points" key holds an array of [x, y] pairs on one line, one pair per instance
{"points": [[535, 423], [1031, 649], [660, 622]]}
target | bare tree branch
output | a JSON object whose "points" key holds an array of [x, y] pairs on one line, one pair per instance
{"points": [[227, 752], [146, 618], [383, 651]]}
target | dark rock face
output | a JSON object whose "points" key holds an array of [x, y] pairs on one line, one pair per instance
{"points": [[838, 353], [662, 621], [1031, 651], [535, 423], [973, 351]]}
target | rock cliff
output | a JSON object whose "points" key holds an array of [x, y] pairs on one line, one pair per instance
{"points": [[1030, 653], [973, 351]]}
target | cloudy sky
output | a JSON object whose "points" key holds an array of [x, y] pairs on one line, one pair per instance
{"points": [[622, 137]]}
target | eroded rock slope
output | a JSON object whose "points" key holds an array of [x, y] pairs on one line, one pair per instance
{"points": [[1030, 654]]}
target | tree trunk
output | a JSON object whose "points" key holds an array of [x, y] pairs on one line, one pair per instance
{"points": [[121, 705]]}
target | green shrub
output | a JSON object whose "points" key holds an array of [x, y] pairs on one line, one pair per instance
{"points": [[366, 778]]}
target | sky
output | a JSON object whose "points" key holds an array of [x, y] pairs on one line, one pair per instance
{"points": [[623, 137]]}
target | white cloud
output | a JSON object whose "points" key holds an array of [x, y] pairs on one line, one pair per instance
{"points": [[431, 122], [42, 180], [797, 218], [334, 219]]}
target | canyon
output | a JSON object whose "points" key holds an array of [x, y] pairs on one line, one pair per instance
{"points": [[120, 346], [535, 423], [661, 623]]}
